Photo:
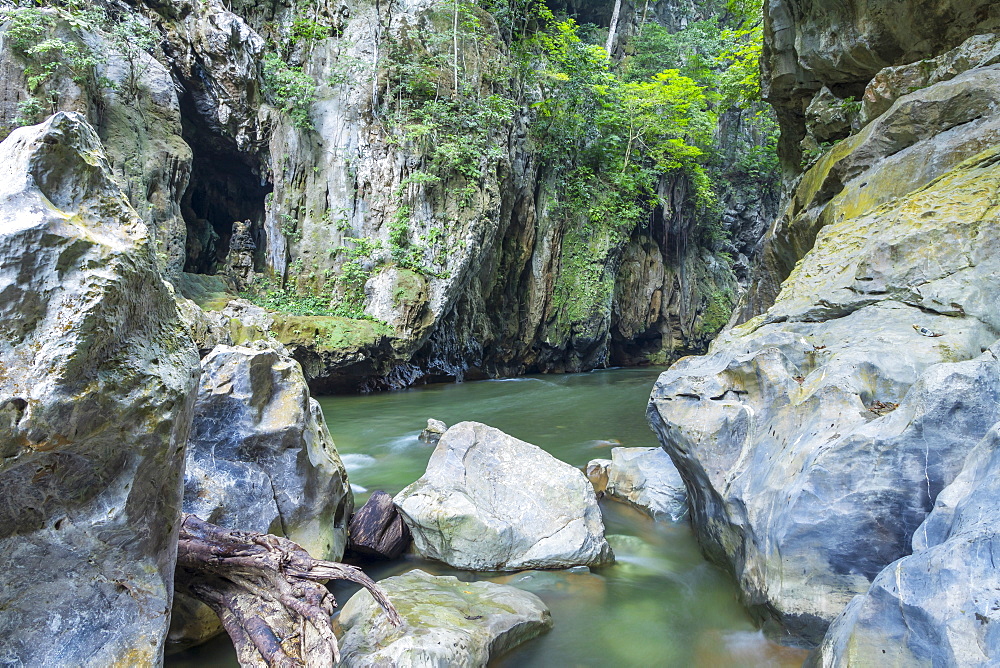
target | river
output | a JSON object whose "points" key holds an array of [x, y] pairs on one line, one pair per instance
{"points": [[661, 604]]}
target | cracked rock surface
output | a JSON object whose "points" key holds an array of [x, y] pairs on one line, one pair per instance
{"points": [[938, 606]]}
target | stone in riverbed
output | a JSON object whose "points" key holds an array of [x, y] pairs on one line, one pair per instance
{"points": [[598, 471], [97, 380], [260, 456], [446, 623], [377, 530], [646, 479], [490, 502], [433, 432]]}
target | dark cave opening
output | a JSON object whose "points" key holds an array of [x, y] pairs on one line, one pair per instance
{"points": [[226, 185]]}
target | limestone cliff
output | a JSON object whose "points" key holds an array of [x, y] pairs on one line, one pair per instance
{"points": [[286, 117]]}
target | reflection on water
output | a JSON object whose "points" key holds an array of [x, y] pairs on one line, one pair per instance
{"points": [[661, 604]]}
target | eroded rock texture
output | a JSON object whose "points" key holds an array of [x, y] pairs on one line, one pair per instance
{"points": [[939, 605], [260, 456], [97, 385], [804, 475]]}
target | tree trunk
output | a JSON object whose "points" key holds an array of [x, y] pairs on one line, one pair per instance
{"points": [[614, 28]]}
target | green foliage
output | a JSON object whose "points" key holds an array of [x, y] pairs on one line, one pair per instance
{"points": [[305, 29], [717, 309], [622, 135], [354, 273], [739, 82], [694, 52], [132, 39], [33, 36], [289, 88], [290, 228]]}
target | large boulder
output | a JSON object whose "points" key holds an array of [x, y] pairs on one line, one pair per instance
{"points": [[260, 456], [646, 479], [96, 390], [446, 623], [815, 438], [938, 606], [490, 502]]}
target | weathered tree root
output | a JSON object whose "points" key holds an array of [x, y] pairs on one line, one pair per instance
{"points": [[268, 592]]}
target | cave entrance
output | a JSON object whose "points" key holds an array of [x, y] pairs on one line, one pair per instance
{"points": [[226, 185]]}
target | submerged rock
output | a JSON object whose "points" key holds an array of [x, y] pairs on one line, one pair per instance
{"points": [[816, 438], [446, 623], [377, 530], [490, 502], [646, 479], [97, 384], [938, 606]]}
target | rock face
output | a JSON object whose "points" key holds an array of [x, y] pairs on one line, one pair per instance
{"points": [[260, 456], [810, 44], [939, 605], [816, 436], [446, 622], [97, 385], [646, 479], [489, 502], [922, 136], [337, 197]]}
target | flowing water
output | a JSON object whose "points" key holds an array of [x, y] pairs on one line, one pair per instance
{"points": [[661, 604]]}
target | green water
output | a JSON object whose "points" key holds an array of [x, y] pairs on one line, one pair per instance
{"points": [[661, 604]]}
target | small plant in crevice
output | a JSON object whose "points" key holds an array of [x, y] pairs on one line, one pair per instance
{"points": [[289, 88]]}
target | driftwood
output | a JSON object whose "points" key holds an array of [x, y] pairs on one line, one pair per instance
{"points": [[268, 593]]}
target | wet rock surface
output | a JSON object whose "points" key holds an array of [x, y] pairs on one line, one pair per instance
{"points": [[446, 622], [490, 502], [96, 390]]}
